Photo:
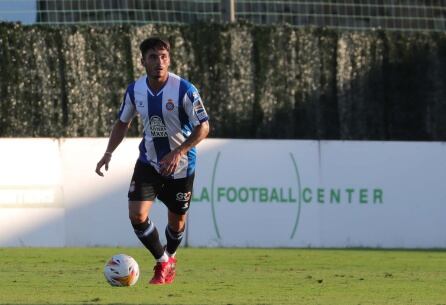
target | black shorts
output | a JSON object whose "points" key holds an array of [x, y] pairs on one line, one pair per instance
{"points": [[148, 184]]}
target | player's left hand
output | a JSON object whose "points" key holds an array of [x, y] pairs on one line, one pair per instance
{"points": [[105, 160], [169, 163]]}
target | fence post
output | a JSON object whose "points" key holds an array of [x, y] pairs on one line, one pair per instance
{"points": [[228, 10]]}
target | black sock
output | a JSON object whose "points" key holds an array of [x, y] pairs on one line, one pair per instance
{"points": [[148, 235], [173, 240]]}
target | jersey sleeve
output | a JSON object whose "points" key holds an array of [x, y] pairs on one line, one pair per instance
{"points": [[194, 108], [128, 110]]}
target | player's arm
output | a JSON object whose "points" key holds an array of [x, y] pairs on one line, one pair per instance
{"points": [[126, 113], [170, 162], [118, 133], [194, 109], [199, 133]]}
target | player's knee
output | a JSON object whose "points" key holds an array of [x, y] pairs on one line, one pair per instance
{"points": [[137, 217]]}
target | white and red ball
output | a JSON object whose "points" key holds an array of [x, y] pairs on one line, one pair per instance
{"points": [[121, 270]]}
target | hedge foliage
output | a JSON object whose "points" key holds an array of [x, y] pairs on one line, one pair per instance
{"points": [[257, 82]]}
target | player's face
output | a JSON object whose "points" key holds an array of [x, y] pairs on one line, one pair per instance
{"points": [[156, 62]]}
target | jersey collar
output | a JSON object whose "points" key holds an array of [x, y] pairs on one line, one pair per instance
{"points": [[152, 91]]}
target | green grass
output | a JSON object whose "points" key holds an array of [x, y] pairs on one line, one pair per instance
{"points": [[228, 276]]}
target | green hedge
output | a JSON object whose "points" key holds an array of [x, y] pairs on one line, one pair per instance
{"points": [[256, 81]]}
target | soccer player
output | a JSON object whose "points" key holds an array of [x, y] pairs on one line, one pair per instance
{"points": [[174, 121]]}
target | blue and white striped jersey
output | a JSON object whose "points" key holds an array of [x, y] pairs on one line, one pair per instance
{"points": [[169, 117]]}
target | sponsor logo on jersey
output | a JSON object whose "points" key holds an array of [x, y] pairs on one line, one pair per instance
{"points": [[199, 110], [196, 96], [198, 106], [170, 105], [157, 127], [202, 115], [183, 196]]}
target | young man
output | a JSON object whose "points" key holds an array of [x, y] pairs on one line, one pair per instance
{"points": [[175, 121]]}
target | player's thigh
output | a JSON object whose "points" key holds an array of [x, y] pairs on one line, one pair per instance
{"points": [[177, 194], [144, 187], [145, 184]]}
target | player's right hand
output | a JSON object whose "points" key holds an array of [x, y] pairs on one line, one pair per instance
{"points": [[105, 160]]}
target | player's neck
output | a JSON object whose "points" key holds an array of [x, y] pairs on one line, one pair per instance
{"points": [[155, 84]]}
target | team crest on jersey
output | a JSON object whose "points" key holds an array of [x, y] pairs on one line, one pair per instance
{"points": [[170, 105], [157, 127]]}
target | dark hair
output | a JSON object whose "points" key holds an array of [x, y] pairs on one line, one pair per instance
{"points": [[153, 43]]}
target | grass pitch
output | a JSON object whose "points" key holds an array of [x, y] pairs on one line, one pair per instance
{"points": [[228, 276]]}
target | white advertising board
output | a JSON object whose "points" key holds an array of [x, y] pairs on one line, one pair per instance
{"points": [[248, 193], [320, 194]]}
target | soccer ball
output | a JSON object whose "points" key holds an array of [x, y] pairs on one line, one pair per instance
{"points": [[121, 270]]}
